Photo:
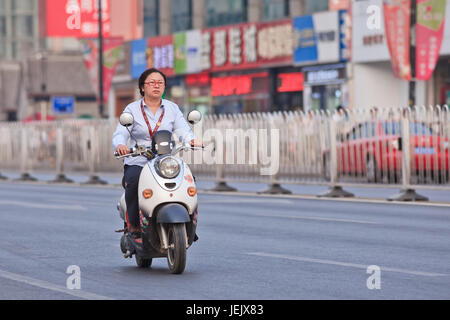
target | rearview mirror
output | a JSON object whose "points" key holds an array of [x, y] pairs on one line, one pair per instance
{"points": [[194, 117], [126, 119]]}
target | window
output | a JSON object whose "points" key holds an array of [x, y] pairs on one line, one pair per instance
{"points": [[316, 6], [181, 15], [3, 27], [22, 26], [223, 12], [275, 9], [151, 18], [23, 5]]}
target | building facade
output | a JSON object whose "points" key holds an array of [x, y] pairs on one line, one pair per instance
{"points": [[219, 56]]}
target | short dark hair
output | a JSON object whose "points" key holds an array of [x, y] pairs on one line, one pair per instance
{"points": [[144, 76]]}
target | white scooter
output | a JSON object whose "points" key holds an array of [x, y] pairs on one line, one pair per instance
{"points": [[167, 201]]}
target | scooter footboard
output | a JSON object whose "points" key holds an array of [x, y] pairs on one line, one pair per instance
{"points": [[172, 213]]}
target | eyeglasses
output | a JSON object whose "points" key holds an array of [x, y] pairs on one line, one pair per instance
{"points": [[152, 83]]}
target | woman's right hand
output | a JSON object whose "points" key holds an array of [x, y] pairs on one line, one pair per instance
{"points": [[122, 150]]}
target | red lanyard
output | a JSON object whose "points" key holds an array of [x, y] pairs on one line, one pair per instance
{"points": [[148, 123]]}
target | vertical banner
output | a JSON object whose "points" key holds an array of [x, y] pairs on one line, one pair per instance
{"points": [[397, 19], [112, 49], [429, 34]]}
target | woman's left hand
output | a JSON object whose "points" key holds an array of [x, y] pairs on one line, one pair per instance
{"points": [[196, 143]]}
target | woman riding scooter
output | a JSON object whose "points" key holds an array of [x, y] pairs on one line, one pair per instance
{"points": [[151, 113]]}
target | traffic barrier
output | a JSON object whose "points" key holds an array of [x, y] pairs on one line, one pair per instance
{"points": [[403, 148]]}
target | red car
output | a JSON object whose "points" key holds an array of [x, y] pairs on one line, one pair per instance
{"points": [[374, 150]]}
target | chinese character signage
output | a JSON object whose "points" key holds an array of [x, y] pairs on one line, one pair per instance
{"points": [[160, 55], [429, 34], [77, 18], [397, 19]]}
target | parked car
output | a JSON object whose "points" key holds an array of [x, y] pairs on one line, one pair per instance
{"points": [[374, 150]]}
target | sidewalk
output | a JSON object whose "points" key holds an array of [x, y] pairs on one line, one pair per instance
{"points": [[378, 193]]}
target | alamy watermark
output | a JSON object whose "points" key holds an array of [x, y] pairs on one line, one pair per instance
{"points": [[373, 17], [258, 147], [73, 282], [374, 281]]}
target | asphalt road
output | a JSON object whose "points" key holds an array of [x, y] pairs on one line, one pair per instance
{"points": [[250, 247]]}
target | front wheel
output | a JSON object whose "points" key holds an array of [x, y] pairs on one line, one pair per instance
{"points": [[176, 255], [142, 262]]}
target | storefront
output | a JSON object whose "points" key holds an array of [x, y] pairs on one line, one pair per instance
{"points": [[238, 92], [321, 50], [288, 87], [325, 87]]}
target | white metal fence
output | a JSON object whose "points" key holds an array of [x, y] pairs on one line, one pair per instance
{"points": [[397, 147]]}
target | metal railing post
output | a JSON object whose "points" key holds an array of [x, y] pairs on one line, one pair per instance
{"points": [[24, 158], [93, 155], [407, 193], [221, 184], [335, 191], [60, 176], [274, 186]]}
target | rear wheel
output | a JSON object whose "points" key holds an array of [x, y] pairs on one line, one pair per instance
{"points": [[176, 255]]}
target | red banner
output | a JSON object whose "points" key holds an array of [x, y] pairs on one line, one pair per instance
{"points": [[112, 49], [397, 19], [429, 34], [77, 18]]}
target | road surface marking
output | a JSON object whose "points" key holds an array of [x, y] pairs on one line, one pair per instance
{"points": [[272, 201], [312, 218], [50, 286], [343, 264], [269, 214], [42, 206]]}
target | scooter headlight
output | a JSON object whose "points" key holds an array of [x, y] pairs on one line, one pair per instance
{"points": [[169, 167]]}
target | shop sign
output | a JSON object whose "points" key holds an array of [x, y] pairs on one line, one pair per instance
{"points": [[246, 46], [275, 42], [290, 82], [186, 52], [199, 79], [160, 55], [76, 18], [318, 38], [138, 61], [63, 104], [228, 48], [326, 74], [345, 35], [237, 84], [368, 43]]}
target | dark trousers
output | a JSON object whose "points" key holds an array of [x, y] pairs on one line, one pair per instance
{"points": [[131, 175]]}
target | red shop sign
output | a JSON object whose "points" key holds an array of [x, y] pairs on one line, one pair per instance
{"points": [[236, 84], [289, 82]]}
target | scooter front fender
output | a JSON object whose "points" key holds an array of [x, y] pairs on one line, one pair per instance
{"points": [[172, 213]]}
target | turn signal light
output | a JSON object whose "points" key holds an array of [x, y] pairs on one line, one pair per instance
{"points": [[192, 191], [147, 193]]}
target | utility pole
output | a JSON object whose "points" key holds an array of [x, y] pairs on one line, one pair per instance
{"points": [[412, 55], [100, 58]]}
